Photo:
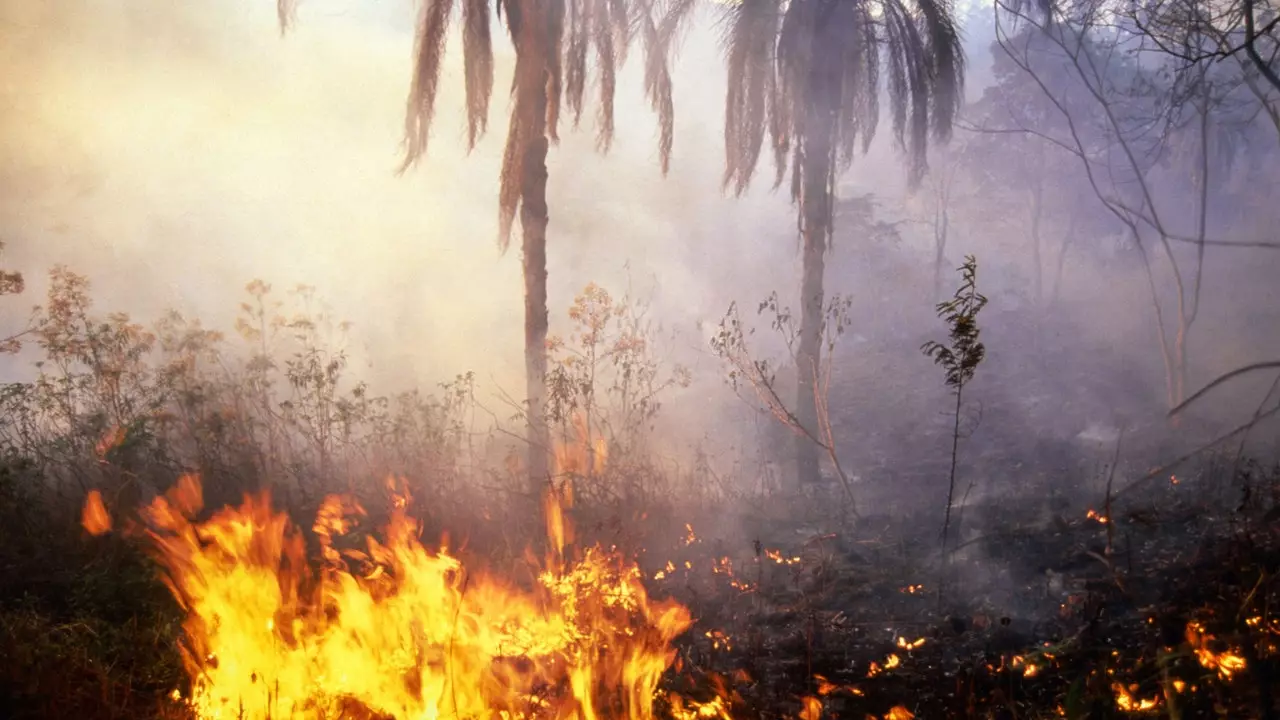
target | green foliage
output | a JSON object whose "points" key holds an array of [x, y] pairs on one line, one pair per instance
{"points": [[961, 358]]}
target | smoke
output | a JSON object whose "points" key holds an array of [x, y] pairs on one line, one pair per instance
{"points": [[175, 151]]}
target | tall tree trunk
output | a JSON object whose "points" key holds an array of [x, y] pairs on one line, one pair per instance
{"points": [[533, 223], [531, 102], [941, 226], [815, 207], [1037, 213]]}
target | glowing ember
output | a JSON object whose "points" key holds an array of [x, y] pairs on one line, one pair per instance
{"points": [[1029, 669], [1226, 663], [906, 644], [1127, 702], [398, 630], [899, 713], [1095, 515], [777, 557], [890, 662], [812, 708], [719, 640], [690, 536]]}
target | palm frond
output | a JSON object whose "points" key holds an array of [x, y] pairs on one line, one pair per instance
{"points": [[512, 173], [749, 40], [428, 55], [554, 64], [828, 57], [477, 58], [661, 23], [576, 55], [858, 114], [285, 12], [945, 53], [605, 27]]}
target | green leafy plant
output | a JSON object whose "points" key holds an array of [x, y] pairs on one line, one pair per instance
{"points": [[959, 358]]}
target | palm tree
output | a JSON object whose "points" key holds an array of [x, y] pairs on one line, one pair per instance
{"points": [[808, 72], [552, 41]]}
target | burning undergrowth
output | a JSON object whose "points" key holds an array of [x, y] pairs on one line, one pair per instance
{"points": [[394, 629], [1174, 620]]}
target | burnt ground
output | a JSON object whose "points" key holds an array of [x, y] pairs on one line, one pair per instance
{"points": [[1100, 610]]}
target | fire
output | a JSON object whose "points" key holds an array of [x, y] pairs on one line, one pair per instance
{"points": [[1095, 515], [1127, 702], [777, 557], [1226, 663], [584, 454], [111, 440], [1029, 668], [890, 662], [394, 629], [812, 708], [94, 517]]}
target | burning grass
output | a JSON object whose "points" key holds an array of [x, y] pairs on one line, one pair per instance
{"points": [[395, 629]]}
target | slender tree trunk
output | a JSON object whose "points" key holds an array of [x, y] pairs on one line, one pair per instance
{"points": [[940, 229], [1037, 214], [815, 206], [533, 222], [532, 101]]}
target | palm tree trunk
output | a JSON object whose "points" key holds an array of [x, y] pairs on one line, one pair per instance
{"points": [[532, 103], [533, 223], [815, 206]]}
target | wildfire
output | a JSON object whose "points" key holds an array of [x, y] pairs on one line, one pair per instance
{"points": [[584, 454], [1127, 702], [1096, 516], [1226, 663], [906, 644], [777, 557], [94, 517], [395, 629], [890, 662]]}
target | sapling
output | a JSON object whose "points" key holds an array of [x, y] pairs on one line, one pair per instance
{"points": [[960, 359]]}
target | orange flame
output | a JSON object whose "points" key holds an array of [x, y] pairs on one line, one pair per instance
{"points": [[94, 517], [584, 455], [1226, 663], [1126, 701], [109, 441], [395, 629]]}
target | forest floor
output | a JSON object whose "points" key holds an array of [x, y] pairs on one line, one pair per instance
{"points": [[1163, 606]]}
